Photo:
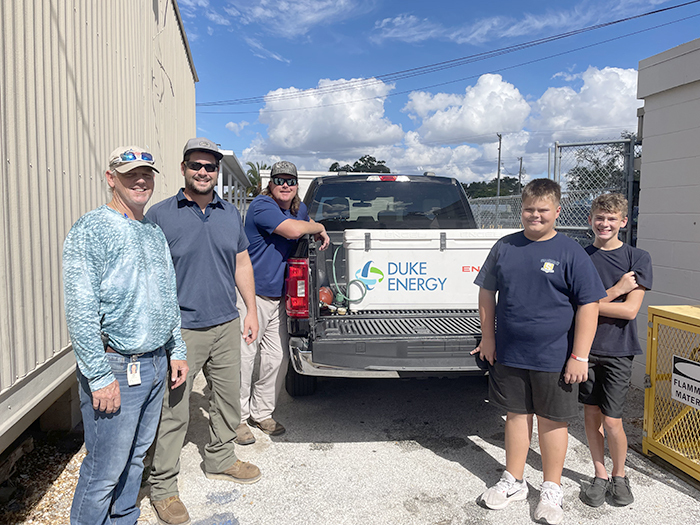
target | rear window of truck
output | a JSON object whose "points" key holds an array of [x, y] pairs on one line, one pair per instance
{"points": [[411, 204]]}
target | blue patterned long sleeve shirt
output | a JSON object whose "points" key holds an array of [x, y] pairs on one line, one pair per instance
{"points": [[120, 290]]}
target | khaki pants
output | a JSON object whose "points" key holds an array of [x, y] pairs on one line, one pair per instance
{"points": [[259, 396], [215, 351]]}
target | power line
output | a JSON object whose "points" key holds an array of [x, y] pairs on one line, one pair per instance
{"points": [[471, 77], [440, 66]]}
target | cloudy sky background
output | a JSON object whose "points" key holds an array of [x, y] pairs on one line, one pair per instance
{"points": [[425, 86]]}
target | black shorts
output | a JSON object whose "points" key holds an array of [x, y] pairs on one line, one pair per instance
{"points": [[524, 391], [608, 383]]}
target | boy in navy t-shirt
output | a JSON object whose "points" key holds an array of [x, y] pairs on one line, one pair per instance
{"points": [[537, 353], [626, 273]]}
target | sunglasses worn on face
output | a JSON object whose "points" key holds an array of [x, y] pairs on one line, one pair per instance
{"points": [[196, 166], [280, 181]]}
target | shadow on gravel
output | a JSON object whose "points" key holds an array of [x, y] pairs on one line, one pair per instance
{"points": [[36, 472], [451, 417]]}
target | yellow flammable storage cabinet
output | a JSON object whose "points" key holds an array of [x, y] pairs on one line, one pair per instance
{"points": [[672, 396]]}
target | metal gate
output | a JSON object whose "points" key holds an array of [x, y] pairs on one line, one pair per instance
{"points": [[672, 393], [588, 169]]}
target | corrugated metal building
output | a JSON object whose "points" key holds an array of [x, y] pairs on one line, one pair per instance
{"points": [[80, 78], [669, 213]]}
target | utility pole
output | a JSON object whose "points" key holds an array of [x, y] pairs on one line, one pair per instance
{"points": [[498, 179], [520, 177]]}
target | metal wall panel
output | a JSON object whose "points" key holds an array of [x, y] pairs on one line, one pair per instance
{"points": [[80, 77]]}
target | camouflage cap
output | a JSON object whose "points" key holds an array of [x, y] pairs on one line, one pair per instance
{"points": [[283, 167]]}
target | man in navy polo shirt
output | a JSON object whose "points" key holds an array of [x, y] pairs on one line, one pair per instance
{"points": [[210, 254], [275, 220]]}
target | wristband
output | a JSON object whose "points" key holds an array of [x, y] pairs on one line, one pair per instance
{"points": [[577, 358]]}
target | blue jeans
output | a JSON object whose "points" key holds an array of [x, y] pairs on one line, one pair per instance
{"points": [[110, 476]]}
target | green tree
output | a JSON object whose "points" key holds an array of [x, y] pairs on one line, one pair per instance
{"points": [[254, 178], [509, 186], [366, 164]]}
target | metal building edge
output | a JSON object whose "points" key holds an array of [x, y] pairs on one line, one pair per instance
{"points": [[75, 85]]}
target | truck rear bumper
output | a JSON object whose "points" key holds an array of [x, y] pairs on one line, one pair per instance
{"points": [[397, 359]]}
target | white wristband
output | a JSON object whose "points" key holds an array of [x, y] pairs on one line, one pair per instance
{"points": [[577, 358]]}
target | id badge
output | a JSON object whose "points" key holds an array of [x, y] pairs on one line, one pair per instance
{"points": [[133, 373]]}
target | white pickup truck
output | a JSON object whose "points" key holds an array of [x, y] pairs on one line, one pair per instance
{"points": [[393, 295]]}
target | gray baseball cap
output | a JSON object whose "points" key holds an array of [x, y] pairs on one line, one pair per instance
{"points": [[202, 144], [283, 167]]}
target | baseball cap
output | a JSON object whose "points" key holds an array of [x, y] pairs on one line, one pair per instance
{"points": [[283, 167], [126, 158], [202, 144]]}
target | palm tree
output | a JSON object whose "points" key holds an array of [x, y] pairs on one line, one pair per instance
{"points": [[254, 178]]}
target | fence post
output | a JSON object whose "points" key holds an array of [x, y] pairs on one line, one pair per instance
{"points": [[629, 157]]}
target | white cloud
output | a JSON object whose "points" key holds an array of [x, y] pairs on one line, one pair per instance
{"points": [[261, 52], [605, 104], [217, 18], [290, 19], [236, 127], [489, 107], [324, 120], [344, 125], [408, 28]]}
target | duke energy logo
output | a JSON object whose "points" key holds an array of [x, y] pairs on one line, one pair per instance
{"points": [[370, 275]]}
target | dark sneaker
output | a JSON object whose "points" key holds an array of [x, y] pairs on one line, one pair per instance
{"points": [[620, 491], [239, 472], [269, 426], [503, 492], [594, 495], [171, 511], [243, 435], [550, 509]]}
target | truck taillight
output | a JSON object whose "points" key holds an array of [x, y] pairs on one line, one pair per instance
{"points": [[297, 285]]}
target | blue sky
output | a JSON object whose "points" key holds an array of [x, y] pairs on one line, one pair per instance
{"points": [[319, 81]]}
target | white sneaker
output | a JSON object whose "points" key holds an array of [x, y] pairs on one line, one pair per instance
{"points": [[505, 491], [550, 508]]}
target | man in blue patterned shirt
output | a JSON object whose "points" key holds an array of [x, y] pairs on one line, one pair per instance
{"points": [[124, 323]]}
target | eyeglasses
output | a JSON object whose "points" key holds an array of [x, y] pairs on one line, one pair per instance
{"points": [[130, 156], [279, 181], [196, 166]]}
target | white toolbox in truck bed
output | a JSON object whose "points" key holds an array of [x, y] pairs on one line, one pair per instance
{"points": [[416, 269]]}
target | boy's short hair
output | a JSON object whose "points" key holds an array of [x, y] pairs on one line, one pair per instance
{"points": [[542, 189], [610, 203]]}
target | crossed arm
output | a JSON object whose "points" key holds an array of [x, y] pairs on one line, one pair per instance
{"points": [[628, 308]]}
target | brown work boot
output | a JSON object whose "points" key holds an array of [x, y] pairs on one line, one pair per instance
{"points": [[171, 511], [269, 426], [239, 472], [243, 435]]}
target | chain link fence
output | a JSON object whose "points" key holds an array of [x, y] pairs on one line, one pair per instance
{"points": [[584, 170]]}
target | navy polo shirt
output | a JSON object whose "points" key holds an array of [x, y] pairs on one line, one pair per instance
{"points": [[204, 248], [539, 285], [269, 251]]}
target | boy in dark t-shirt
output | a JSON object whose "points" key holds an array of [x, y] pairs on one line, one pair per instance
{"points": [[537, 355], [626, 273]]}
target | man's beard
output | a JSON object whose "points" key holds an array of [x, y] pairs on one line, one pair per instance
{"points": [[190, 185]]}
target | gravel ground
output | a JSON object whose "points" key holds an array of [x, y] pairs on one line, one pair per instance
{"points": [[364, 451]]}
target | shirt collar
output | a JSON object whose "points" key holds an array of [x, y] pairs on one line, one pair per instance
{"points": [[216, 201]]}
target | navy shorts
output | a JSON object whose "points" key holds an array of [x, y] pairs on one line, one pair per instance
{"points": [[608, 383], [524, 391]]}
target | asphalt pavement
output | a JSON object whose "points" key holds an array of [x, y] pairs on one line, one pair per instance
{"points": [[408, 452]]}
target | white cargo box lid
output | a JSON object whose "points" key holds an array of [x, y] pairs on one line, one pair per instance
{"points": [[416, 269]]}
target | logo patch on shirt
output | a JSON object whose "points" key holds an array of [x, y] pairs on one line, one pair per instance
{"points": [[548, 265]]}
